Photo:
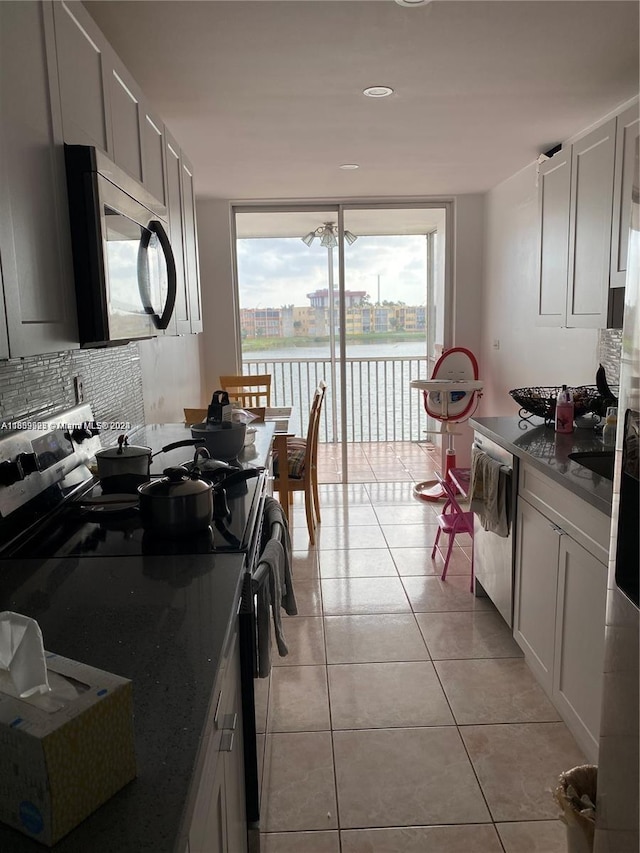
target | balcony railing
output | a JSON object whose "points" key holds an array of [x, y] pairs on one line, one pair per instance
{"points": [[380, 404]]}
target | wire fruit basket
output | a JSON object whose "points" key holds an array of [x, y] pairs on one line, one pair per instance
{"points": [[541, 400]]}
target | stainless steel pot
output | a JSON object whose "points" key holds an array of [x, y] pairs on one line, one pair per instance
{"points": [[127, 466], [124, 459], [178, 504]]}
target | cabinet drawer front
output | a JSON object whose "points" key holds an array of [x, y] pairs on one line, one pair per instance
{"points": [[583, 522]]}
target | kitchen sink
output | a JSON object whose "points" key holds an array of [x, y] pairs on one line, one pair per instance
{"points": [[598, 461]]}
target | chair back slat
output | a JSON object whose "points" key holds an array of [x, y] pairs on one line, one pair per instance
{"points": [[250, 391]]}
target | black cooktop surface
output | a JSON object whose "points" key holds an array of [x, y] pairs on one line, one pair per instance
{"points": [[80, 528]]}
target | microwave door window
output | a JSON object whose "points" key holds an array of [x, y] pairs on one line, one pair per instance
{"points": [[127, 311], [152, 275]]}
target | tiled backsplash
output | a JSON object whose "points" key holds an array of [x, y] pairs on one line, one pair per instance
{"points": [[609, 351], [44, 384]]}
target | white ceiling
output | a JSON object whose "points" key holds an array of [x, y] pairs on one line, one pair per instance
{"points": [[266, 95]]}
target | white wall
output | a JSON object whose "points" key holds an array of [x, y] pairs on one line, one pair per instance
{"points": [[219, 344], [171, 377], [528, 354], [466, 308]]}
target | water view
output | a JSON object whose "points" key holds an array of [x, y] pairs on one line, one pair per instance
{"points": [[380, 405]]}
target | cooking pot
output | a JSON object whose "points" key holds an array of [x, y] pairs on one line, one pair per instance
{"points": [[219, 473], [127, 466], [223, 441], [178, 504]]}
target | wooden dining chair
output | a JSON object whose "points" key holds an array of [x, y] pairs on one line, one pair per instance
{"points": [[195, 416], [249, 391], [302, 463]]}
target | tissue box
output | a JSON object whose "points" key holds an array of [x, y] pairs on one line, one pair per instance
{"points": [[65, 753]]}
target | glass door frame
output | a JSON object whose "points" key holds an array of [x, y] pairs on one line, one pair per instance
{"points": [[338, 209]]}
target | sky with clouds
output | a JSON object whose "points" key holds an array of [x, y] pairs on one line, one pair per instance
{"points": [[273, 272]]}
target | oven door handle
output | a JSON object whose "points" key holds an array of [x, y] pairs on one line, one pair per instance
{"points": [[261, 572], [505, 469]]}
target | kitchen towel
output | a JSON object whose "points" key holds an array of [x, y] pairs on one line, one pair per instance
{"points": [[489, 492], [277, 590]]}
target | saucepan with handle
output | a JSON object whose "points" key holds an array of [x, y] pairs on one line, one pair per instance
{"points": [[127, 466]]}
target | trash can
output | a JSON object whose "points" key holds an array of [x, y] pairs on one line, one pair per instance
{"points": [[576, 796]]}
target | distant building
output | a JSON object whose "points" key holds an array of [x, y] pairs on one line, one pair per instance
{"points": [[313, 320], [320, 298]]}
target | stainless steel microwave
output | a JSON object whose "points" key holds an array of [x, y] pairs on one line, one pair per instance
{"points": [[124, 268]]}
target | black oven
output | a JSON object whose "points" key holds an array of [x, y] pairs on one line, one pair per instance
{"points": [[124, 267], [251, 646]]}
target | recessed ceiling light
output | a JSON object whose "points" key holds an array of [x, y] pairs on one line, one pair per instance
{"points": [[413, 2], [349, 166], [378, 91]]}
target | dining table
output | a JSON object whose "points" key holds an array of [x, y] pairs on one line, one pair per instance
{"points": [[282, 416]]}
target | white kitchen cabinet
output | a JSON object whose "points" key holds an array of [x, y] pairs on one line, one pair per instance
{"points": [[554, 196], [83, 72], [153, 151], [534, 616], [218, 823], [592, 166], [191, 262], [579, 637], [102, 105], [174, 204], [584, 200], [560, 596], [627, 131], [35, 244], [125, 98], [4, 340]]}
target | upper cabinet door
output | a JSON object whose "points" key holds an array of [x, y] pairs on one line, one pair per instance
{"points": [[592, 162], [627, 131], [4, 339], [153, 154], [102, 105], [192, 265], [35, 242], [125, 99], [83, 74], [174, 203], [554, 196]]}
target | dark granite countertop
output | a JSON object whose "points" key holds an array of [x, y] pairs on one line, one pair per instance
{"points": [[548, 451], [161, 622]]}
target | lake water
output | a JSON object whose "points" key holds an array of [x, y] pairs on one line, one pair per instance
{"points": [[417, 349]]}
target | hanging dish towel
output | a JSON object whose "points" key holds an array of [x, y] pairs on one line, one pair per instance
{"points": [[490, 490], [277, 591]]}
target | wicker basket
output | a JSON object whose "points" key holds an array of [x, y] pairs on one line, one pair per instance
{"points": [[541, 401]]}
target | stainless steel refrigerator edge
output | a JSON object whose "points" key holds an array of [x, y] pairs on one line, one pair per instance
{"points": [[617, 807]]}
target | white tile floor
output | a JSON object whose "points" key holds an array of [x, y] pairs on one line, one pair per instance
{"points": [[405, 719]]}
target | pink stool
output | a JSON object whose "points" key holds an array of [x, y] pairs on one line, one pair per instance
{"points": [[452, 520]]}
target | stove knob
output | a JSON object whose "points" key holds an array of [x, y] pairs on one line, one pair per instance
{"points": [[28, 462], [10, 473], [79, 434]]}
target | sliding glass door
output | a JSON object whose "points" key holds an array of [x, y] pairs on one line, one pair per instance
{"points": [[351, 294]]}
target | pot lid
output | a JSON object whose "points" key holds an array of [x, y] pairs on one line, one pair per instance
{"points": [[177, 483], [127, 451]]}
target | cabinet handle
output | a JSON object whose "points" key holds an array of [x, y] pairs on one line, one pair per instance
{"points": [[226, 742], [217, 711], [229, 722]]}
